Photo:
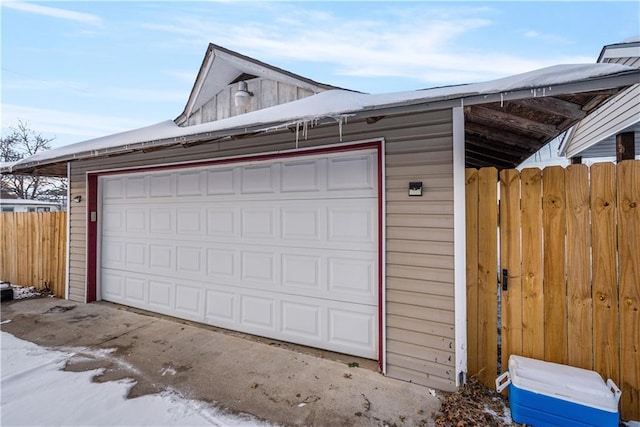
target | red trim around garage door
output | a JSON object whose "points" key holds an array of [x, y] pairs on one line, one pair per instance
{"points": [[92, 236], [92, 211]]}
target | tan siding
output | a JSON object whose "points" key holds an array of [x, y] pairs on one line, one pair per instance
{"points": [[420, 276], [419, 247], [419, 229], [421, 285]]}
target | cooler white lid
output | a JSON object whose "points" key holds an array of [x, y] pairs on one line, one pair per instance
{"points": [[569, 383]]}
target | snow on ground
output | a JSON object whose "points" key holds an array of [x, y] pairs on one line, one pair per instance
{"points": [[37, 392]]}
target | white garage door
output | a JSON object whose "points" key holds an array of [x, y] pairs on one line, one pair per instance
{"points": [[286, 248]]}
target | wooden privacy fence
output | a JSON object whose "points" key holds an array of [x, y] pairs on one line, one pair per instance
{"points": [[33, 249], [558, 251]]}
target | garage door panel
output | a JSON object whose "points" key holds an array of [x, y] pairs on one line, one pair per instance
{"points": [[161, 295], [135, 221], [221, 182], [190, 183], [162, 220], [189, 301], [351, 173], [259, 179], [283, 249], [257, 312], [222, 263], [301, 176], [302, 320], [135, 290], [259, 223], [113, 188], [302, 224], [222, 222], [161, 258], [190, 221], [162, 185], [221, 306], [302, 272], [113, 220], [352, 224], [113, 254], [352, 328], [112, 286], [353, 277], [136, 187], [258, 267]]}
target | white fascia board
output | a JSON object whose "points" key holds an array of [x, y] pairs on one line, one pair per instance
{"points": [[621, 52], [459, 239], [67, 279], [202, 77]]}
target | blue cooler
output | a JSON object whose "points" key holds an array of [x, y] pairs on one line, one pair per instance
{"points": [[545, 394]]}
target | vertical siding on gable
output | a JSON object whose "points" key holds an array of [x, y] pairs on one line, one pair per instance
{"points": [[419, 230], [266, 93]]}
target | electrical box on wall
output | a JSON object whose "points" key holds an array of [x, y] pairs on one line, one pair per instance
{"points": [[415, 188]]}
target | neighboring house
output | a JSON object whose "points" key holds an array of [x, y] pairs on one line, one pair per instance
{"points": [[310, 214], [22, 205], [616, 121]]}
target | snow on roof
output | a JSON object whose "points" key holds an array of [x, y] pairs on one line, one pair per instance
{"points": [[27, 202], [338, 104]]}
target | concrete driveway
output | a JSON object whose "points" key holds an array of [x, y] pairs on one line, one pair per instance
{"points": [[274, 381]]}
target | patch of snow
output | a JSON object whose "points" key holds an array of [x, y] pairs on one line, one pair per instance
{"points": [[4, 322], [506, 419], [31, 375], [631, 423]]}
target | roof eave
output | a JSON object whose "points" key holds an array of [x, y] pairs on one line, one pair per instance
{"points": [[623, 79]]}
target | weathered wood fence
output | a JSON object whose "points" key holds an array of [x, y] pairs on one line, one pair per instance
{"points": [[33, 249], [560, 247]]}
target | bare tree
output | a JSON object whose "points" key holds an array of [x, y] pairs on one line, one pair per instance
{"points": [[24, 142]]}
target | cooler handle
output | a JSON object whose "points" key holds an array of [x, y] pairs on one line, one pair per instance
{"points": [[500, 385], [614, 388]]}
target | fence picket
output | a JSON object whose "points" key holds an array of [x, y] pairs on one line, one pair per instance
{"points": [[487, 274], [510, 256], [471, 206], [532, 271], [604, 289], [580, 324], [554, 282], [628, 189]]}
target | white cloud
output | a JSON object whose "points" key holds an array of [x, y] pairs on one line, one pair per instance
{"points": [[64, 126], [421, 42], [53, 12], [80, 89]]}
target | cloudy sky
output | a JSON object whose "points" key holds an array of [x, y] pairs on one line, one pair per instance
{"points": [[80, 70]]}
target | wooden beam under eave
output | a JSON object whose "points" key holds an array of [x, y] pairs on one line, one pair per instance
{"points": [[500, 119], [555, 106], [487, 158], [598, 99], [512, 150], [501, 135], [625, 146]]}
